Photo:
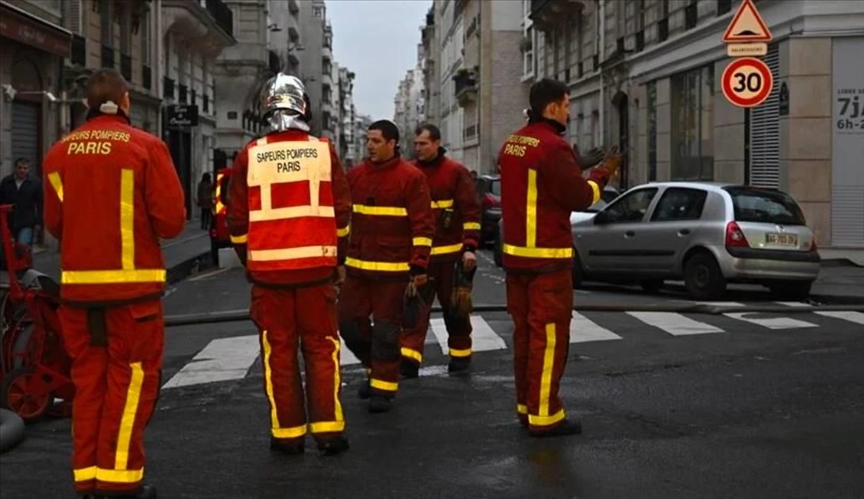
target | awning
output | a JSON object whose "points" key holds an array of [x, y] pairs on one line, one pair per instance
{"points": [[26, 28]]}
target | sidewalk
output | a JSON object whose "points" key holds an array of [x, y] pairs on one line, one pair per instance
{"points": [[183, 255]]}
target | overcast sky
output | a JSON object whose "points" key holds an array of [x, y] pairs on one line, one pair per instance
{"points": [[377, 39]]}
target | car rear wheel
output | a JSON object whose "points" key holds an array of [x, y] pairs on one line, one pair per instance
{"points": [[703, 278], [791, 291]]}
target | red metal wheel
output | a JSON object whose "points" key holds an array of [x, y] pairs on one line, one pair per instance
{"points": [[15, 396]]}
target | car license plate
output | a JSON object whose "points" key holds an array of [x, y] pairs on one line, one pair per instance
{"points": [[782, 239]]}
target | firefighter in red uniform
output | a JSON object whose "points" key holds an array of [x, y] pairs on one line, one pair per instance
{"points": [[541, 184], [111, 193], [457, 232], [288, 215], [391, 237]]}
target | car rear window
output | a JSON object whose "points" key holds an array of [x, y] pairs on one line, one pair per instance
{"points": [[764, 206], [495, 187]]}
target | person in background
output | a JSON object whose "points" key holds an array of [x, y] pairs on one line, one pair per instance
{"points": [[205, 200], [541, 185], [111, 193], [24, 193]]}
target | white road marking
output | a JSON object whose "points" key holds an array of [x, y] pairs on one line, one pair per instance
{"points": [[772, 322], [720, 303], [347, 357], [796, 304], [483, 337], [856, 317], [675, 323], [221, 360], [583, 330], [208, 274]]}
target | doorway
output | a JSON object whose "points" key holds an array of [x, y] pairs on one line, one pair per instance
{"points": [[622, 103], [180, 144]]}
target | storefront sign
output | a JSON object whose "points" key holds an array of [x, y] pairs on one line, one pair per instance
{"points": [[182, 116], [18, 26]]}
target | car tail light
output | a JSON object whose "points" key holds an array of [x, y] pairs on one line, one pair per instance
{"points": [[735, 237], [813, 243]]}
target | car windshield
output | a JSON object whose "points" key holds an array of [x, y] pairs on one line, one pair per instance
{"points": [[495, 187], [765, 206]]}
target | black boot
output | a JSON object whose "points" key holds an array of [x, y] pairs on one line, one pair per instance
{"points": [[459, 364], [289, 447], [365, 391], [567, 427], [379, 403], [409, 369], [333, 446]]}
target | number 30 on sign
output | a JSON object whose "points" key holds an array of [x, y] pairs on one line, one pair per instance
{"points": [[747, 82]]}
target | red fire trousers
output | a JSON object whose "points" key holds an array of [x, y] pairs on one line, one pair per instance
{"points": [[300, 318], [377, 347], [117, 387], [541, 306], [458, 331]]}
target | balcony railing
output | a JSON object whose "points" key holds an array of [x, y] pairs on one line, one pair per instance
{"points": [[107, 57], [466, 84], [545, 13], [79, 50], [126, 67], [146, 77], [167, 88], [222, 14]]}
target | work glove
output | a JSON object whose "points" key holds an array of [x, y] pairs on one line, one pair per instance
{"points": [[590, 159], [417, 296], [461, 302]]}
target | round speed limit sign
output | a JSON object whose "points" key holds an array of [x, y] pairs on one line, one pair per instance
{"points": [[747, 82]]}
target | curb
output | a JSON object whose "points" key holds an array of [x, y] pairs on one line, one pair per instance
{"points": [[188, 267], [243, 315]]}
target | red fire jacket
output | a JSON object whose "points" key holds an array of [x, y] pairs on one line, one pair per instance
{"points": [[111, 192], [283, 195], [541, 184], [454, 206], [392, 225]]}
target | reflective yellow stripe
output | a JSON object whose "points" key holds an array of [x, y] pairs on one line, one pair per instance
{"points": [[531, 210], [217, 195], [460, 353], [291, 212], [537, 252], [548, 365], [119, 476], [376, 266], [343, 232], [443, 250], [337, 405], [521, 409], [268, 386], [422, 241], [546, 420], [127, 218], [240, 239], [111, 276], [390, 211], [327, 427], [596, 189], [412, 354], [383, 385], [291, 253], [294, 432], [84, 474], [57, 183], [442, 203], [127, 422], [471, 226]]}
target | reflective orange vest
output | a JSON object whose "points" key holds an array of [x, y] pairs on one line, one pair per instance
{"points": [[292, 221]]}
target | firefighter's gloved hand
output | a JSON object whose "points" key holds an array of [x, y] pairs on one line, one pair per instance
{"points": [[590, 159], [469, 261], [612, 161], [340, 275]]}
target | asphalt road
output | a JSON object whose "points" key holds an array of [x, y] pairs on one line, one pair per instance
{"points": [[674, 406]]}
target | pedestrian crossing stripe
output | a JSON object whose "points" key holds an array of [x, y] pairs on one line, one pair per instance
{"points": [[226, 359]]}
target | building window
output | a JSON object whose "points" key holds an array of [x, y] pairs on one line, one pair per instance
{"points": [[652, 131], [693, 124], [318, 11], [145, 39], [106, 23], [528, 53], [595, 129]]}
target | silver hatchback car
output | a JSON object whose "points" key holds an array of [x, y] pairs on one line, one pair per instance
{"points": [[709, 234]]}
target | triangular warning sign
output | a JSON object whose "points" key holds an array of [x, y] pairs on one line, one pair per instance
{"points": [[747, 26]]}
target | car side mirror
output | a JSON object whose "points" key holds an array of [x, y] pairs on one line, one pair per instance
{"points": [[601, 218]]}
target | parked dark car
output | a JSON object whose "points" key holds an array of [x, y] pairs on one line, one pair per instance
{"points": [[489, 192]]}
